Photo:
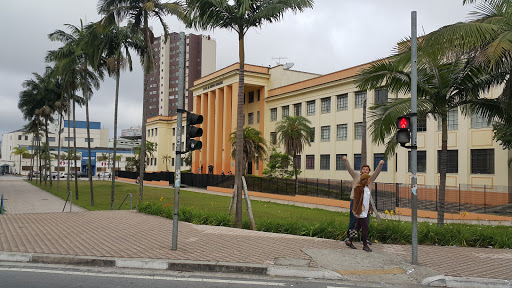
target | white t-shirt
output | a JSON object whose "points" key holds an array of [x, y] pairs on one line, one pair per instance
{"points": [[366, 203]]}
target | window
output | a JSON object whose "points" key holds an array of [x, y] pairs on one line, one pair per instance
{"points": [[452, 121], [87, 140], [251, 97], [360, 97], [340, 163], [258, 117], [479, 121], [325, 161], [19, 137], [312, 135], [285, 111], [381, 95], [358, 130], [156, 131], [376, 159], [273, 138], [297, 109], [325, 134], [357, 162], [341, 132], [342, 102], [326, 105], [173, 147], [172, 161], [68, 139], [452, 162], [250, 118], [26, 137], [259, 95], [273, 114], [52, 139], [482, 161], [297, 162], [173, 131], [421, 160], [310, 105], [310, 162], [422, 124]]}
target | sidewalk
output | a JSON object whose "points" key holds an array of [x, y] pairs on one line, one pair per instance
{"points": [[131, 239]]}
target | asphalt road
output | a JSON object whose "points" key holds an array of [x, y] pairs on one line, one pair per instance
{"points": [[14, 275]]}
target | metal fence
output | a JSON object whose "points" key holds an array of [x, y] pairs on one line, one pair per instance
{"points": [[487, 199]]}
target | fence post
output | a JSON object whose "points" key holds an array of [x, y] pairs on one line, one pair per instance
{"points": [[261, 184], [397, 193], [485, 208], [376, 199], [286, 186], [306, 187], [459, 197], [277, 185], [341, 189], [316, 187]]}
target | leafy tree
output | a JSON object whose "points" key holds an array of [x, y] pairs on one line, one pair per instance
{"points": [[140, 12], [444, 83], [255, 146], [134, 162], [22, 152], [278, 165], [187, 160], [239, 16], [294, 132]]}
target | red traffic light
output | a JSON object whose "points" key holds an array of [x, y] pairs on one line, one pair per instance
{"points": [[403, 122]]}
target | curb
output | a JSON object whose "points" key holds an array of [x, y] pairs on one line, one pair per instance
{"points": [[174, 265], [448, 281]]}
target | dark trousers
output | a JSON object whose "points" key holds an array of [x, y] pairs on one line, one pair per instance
{"points": [[362, 224], [353, 218]]}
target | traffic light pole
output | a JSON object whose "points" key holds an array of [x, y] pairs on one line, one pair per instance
{"points": [[177, 173], [414, 122]]}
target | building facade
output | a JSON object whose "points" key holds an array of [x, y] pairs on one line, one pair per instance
{"points": [[162, 90]]}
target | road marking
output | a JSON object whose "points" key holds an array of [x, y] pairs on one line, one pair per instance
{"points": [[260, 283]]}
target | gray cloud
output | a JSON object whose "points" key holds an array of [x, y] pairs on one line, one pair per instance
{"points": [[336, 34]]}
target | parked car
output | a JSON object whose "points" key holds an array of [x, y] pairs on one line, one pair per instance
{"points": [[65, 175], [81, 174], [104, 174], [53, 175]]}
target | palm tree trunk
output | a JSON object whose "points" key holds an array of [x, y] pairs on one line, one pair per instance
{"points": [[142, 156], [58, 153], [89, 146], [74, 145], [48, 163], [239, 131], [32, 162], [442, 168], [295, 171], [116, 106], [364, 155], [68, 184]]}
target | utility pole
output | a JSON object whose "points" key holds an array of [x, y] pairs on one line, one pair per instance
{"points": [[414, 122], [177, 173]]}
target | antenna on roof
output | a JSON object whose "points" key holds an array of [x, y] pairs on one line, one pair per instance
{"points": [[279, 59], [288, 65]]}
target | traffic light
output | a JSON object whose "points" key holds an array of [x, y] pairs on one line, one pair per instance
{"points": [[193, 132], [403, 136]]}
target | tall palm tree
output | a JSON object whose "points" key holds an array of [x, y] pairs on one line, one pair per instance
{"points": [[239, 16], [22, 152], [32, 127], [79, 52], [445, 82], [115, 40], [487, 37], [255, 146], [294, 132], [140, 12]]}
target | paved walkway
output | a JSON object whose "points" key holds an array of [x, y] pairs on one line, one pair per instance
{"points": [[129, 234]]}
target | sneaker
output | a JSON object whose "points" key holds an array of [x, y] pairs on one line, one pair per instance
{"points": [[367, 249], [349, 244], [367, 242]]}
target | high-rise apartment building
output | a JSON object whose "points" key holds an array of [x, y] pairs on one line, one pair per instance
{"points": [[162, 91]]}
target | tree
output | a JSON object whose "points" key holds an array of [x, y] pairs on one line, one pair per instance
{"points": [[140, 12], [445, 82], [278, 165], [22, 152], [294, 132], [133, 162], [79, 52], [239, 16], [166, 159], [486, 39], [254, 148]]}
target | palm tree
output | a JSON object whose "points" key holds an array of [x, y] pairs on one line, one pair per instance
{"points": [[32, 127], [22, 152], [487, 38], [255, 146], [113, 41], [140, 12], [294, 132], [167, 159], [445, 82], [79, 52], [238, 16]]}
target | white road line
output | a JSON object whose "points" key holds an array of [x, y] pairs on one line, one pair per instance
{"points": [[261, 283]]}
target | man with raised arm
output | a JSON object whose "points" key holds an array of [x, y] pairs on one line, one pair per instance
{"points": [[365, 169]]}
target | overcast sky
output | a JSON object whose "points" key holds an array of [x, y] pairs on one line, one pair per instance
{"points": [[334, 35]]}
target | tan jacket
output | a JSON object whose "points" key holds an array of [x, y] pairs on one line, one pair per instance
{"points": [[356, 175]]}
